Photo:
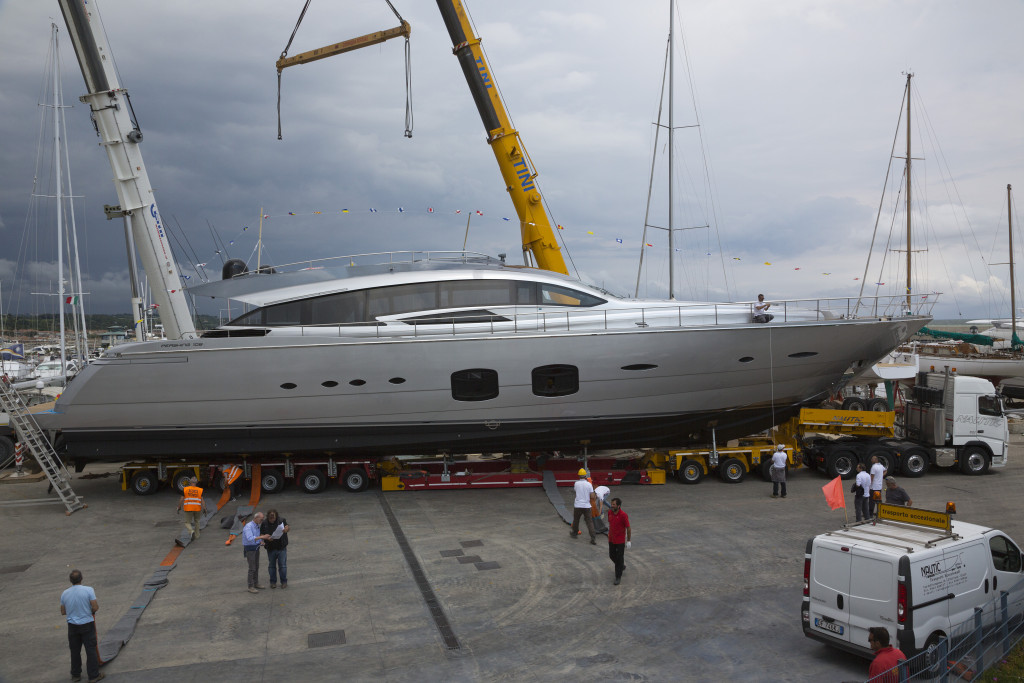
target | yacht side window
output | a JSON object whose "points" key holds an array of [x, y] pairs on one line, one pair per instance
{"points": [[478, 384], [338, 309], [399, 299], [283, 314], [989, 405], [556, 380], [463, 293], [1005, 555], [250, 318], [553, 295]]}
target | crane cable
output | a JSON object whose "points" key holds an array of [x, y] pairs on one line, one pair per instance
{"points": [[408, 70]]}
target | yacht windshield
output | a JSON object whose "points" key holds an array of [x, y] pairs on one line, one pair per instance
{"points": [[366, 306]]}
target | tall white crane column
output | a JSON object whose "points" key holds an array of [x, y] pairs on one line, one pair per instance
{"points": [[120, 136]]}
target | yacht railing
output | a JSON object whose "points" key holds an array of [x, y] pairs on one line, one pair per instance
{"points": [[383, 258], [892, 307]]}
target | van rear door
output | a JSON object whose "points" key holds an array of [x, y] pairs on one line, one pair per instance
{"points": [[829, 589], [872, 593]]}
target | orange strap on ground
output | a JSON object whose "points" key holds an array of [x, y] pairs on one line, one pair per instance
{"points": [[254, 494], [172, 556]]}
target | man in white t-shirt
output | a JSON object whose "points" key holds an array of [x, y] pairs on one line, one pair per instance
{"points": [[600, 514], [862, 493], [582, 506], [877, 481]]}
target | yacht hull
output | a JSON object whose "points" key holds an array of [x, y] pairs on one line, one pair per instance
{"points": [[378, 397]]}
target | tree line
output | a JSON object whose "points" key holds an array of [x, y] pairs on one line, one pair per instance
{"points": [[15, 325]]}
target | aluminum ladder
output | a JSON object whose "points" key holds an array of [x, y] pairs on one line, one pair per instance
{"points": [[35, 441]]}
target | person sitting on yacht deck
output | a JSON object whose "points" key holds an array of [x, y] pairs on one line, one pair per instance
{"points": [[761, 314]]}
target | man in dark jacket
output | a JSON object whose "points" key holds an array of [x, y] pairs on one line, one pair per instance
{"points": [[896, 495], [277, 548]]}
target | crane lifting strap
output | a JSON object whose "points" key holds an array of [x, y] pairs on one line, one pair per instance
{"points": [[403, 29]]}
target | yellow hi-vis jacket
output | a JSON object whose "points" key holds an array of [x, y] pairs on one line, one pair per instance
{"points": [[193, 499]]}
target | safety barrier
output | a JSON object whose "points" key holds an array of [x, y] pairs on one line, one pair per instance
{"points": [[972, 646]]}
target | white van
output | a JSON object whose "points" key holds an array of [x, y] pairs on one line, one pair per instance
{"points": [[913, 571]]}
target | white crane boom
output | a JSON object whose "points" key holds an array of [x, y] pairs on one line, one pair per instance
{"points": [[120, 136]]}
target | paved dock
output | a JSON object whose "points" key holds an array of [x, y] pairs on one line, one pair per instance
{"points": [[711, 591]]}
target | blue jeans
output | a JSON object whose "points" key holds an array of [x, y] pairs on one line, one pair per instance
{"points": [[278, 559]]}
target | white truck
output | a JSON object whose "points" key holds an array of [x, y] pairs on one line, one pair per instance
{"points": [[915, 572], [951, 420]]}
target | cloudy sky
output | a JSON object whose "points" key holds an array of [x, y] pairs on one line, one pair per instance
{"points": [[798, 102]]}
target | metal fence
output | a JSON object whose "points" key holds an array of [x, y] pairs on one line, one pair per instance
{"points": [[971, 647]]}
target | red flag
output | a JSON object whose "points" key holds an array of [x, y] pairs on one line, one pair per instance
{"points": [[834, 494]]}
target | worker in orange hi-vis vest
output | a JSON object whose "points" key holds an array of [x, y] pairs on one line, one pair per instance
{"points": [[231, 474], [194, 505]]}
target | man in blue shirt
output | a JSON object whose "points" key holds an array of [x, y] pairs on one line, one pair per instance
{"points": [[251, 542], [78, 604]]}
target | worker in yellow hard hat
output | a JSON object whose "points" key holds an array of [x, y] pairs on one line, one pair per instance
{"points": [[582, 504]]}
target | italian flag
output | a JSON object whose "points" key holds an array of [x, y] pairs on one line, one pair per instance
{"points": [[73, 300]]}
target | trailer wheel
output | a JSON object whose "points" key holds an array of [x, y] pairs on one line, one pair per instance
{"points": [[879, 405], [271, 481], [690, 472], [144, 482], [974, 460], [731, 471], [355, 479], [854, 403], [312, 481], [842, 463], [915, 463], [181, 479]]}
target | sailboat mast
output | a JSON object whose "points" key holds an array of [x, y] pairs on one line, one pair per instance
{"points": [[1013, 289], [909, 252], [60, 199], [671, 145]]}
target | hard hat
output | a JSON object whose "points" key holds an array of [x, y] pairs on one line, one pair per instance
{"points": [[780, 447], [582, 472]]}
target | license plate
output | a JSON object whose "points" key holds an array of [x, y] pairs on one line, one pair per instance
{"points": [[829, 626]]}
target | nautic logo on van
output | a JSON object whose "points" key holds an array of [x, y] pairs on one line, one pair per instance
{"points": [[936, 570]]}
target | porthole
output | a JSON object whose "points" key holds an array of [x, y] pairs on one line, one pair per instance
{"points": [[556, 380], [397, 380], [329, 384], [289, 385], [639, 366], [746, 359], [803, 354], [358, 382], [477, 384]]}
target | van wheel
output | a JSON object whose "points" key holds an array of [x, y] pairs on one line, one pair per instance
{"points": [[312, 481], [144, 482], [915, 463], [731, 471], [690, 472], [932, 662], [841, 463], [974, 460], [271, 481]]}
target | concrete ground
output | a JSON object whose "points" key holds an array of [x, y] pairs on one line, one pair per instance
{"points": [[711, 591]]}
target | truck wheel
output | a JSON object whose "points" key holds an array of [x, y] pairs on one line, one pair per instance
{"points": [[731, 471], [180, 480], [271, 481], [879, 405], [144, 482], [854, 403], [915, 463], [766, 469], [312, 481], [842, 463], [885, 459], [690, 472], [355, 479], [974, 460]]}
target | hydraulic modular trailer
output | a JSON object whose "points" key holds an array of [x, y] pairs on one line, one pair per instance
{"points": [[311, 474], [951, 420]]}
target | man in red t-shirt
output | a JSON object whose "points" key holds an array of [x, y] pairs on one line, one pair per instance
{"points": [[886, 657], [619, 535]]}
